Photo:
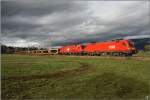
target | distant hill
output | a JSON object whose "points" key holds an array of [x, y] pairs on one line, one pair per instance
{"points": [[141, 42]]}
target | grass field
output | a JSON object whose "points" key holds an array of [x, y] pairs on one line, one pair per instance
{"points": [[61, 77]]}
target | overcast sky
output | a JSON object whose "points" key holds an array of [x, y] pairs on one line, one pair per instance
{"points": [[54, 23]]}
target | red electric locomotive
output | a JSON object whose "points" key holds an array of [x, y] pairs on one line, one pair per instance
{"points": [[71, 50], [117, 47]]}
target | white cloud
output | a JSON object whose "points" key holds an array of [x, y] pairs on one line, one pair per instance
{"points": [[136, 37]]}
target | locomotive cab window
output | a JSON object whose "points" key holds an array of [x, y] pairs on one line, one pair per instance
{"points": [[124, 44], [130, 44], [83, 46]]}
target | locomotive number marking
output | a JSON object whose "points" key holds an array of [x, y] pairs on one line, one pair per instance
{"points": [[112, 47]]}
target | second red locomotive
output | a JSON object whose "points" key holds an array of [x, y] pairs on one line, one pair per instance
{"points": [[119, 47]]}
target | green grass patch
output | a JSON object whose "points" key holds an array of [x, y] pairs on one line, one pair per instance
{"points": [[143, 53], [74, 78]]}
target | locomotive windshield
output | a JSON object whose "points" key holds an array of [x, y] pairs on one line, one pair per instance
{"points": [[83, 46], [131, 44]]}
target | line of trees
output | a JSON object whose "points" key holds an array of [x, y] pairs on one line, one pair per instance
{"points": [[10, 50]]}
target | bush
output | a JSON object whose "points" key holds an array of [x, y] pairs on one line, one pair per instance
{"points": [[147, 48]]}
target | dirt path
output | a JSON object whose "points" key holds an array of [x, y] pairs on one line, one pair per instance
{"points": [[60, 74]]}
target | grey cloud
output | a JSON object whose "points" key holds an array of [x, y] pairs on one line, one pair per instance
{"points": [[52, 23], [25, 16], [36, 8]]}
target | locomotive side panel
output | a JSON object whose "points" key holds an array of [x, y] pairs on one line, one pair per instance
{"points": [[115, 47], [107, 46], [71, 49]]}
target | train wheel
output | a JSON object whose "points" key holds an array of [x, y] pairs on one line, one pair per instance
{"points": [[129, 55], [103, 54], [89, 54], [123, 54], [115, 54]]}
